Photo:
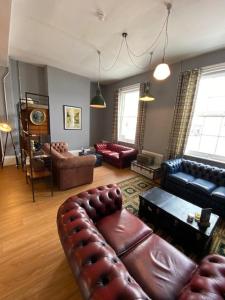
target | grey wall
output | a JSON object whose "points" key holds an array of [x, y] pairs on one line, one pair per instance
{"points": [[159, 112], [65, 88]]}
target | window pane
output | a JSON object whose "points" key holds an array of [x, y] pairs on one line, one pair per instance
{"points": [[207, 130], [127, 115]]}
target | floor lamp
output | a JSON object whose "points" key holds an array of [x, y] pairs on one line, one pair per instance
{"points": [[5, 127]]}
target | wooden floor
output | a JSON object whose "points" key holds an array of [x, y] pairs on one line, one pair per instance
{"points": [[32, 262]]}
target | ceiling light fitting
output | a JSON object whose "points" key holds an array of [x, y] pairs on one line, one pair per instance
{"points": [[98, 101], [163, 71]]}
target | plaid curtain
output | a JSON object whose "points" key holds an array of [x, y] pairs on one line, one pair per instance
{"points": [[115, 117], [183, 113], [139, 138]]}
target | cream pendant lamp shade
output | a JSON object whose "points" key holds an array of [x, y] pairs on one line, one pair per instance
{"points": [[162, 71], [5, 127]]}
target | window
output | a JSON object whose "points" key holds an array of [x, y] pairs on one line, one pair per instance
{"points": [[207, 131], [127, 113]]}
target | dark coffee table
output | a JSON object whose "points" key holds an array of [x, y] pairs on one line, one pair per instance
{"points": [[170, 212], [98, 156]]}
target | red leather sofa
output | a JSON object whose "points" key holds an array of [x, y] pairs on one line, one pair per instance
{"points": [[115, 154], [115, 256]]}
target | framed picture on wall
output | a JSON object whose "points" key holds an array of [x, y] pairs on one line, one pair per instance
{"points": [[72, 117]]}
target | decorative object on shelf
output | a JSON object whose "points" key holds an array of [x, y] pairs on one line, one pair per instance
{"points": [[98, 101], [6, 128], [146, 96], [37, 116], [72, 117], [205, 217], [162, 71]]}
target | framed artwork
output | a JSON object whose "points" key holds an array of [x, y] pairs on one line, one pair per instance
{"points": [[72, 117]]}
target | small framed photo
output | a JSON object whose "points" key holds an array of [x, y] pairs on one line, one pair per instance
{"points": [[72, 117]]}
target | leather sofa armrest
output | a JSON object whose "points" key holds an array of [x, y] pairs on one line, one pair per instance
{"points": [[75, 162], [128, 153], [208, 282], [172, 166]]}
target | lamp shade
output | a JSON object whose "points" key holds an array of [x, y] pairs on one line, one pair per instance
{"points": [[5, 127], [146, 96], [98, 101], [162, 71]]}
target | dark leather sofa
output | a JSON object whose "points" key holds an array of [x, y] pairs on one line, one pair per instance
{"points": [[115, 256], [201, 184], [115, 154], [69, 170]]}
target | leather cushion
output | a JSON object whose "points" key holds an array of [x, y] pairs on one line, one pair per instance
{"points": [[202, 185], [181, 178], [219, 195], [122, 230], [159, 268]]}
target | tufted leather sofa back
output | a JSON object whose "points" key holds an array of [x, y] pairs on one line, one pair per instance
{"points": [[60, 147], [207, 172], [97, 203], [100, 273]]}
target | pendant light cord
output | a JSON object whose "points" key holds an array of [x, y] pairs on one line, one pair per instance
{"points": [[99, 68], [168, 6], [148, 51]]}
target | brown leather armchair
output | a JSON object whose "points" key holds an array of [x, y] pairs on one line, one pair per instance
{"points": [[69, 170]]}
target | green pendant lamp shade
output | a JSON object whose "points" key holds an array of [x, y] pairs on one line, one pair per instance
{"points": [[98, 101], [146, 96]]}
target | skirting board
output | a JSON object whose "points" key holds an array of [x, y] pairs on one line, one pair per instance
{"points": [[10, 160]]}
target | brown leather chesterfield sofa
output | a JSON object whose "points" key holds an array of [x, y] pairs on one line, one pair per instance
{"points": [[115, 154], [69, 170], [115, 256]]}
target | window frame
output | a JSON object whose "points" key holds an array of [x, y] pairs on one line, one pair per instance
{"points": [[126, 89], [215, 69]]}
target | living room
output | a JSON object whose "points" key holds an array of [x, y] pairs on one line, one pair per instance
{"points": [[112, 135]]}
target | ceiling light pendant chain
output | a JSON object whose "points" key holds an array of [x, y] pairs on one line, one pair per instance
{"points": [[116, 58]]}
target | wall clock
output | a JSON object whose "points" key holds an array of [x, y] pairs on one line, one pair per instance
{"points": [[37, 116]]}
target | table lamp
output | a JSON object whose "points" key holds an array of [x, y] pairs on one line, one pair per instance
{"points": [[5, 127]]}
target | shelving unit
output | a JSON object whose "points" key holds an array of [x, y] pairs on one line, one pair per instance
{"points": [[34, 123]]}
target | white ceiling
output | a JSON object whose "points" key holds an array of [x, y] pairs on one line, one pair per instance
{"points": [[66, 33]]}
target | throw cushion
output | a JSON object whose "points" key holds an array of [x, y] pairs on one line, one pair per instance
{"points": [[181, 178], [202, 185], [122, 230]]}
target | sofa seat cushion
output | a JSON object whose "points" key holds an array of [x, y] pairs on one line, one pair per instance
{"points": [[219, 194], [181, 178], [104, 151], [122, 230], [202, 185], [113, 155], [159, 268]]}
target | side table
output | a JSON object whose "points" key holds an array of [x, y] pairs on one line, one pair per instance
{"points": [[150, 171], [99, 157]]}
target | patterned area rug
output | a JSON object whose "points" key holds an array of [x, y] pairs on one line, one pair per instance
{"points": [[131, 189]]}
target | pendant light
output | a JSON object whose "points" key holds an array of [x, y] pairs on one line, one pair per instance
{"points": [[162, 71], [146, 96], [98, 101]]}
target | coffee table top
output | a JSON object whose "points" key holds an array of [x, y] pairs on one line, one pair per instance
{"points": [[178, 208]]}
